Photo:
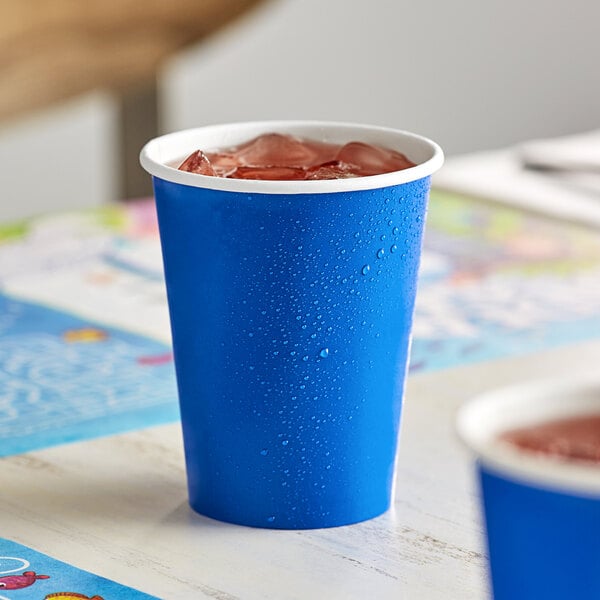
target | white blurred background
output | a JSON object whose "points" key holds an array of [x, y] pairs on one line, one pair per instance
{"points": [[472, 75]]}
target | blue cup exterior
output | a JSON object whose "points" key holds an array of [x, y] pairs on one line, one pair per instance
{"points": [[291, 318], [542, 542]]}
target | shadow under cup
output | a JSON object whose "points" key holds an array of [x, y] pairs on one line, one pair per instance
{"points": [[291, 307]]}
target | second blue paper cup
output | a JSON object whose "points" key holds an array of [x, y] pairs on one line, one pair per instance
{"points": [[542, 514], [291, 306]]}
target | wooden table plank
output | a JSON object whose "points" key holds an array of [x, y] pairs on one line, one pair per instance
{"points": [[50, 51]]}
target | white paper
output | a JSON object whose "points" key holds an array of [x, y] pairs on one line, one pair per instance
{"points": [[500, 175]]}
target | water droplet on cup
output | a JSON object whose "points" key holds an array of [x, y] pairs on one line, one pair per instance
{"points": [[365, 269], [380, 253], [324, 353]]}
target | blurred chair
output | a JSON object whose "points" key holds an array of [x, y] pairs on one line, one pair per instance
{"points": [[54, 50]]}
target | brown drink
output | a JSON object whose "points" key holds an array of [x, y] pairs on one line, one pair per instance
{"points": [[273, 156], [572, 439]]}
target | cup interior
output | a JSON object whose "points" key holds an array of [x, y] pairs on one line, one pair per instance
{"points": [[482, 420]]}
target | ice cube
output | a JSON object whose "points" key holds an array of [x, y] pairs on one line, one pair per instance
{"points": [[223, 164], [197, 162], [277, 150], [370, 160], [269, 173], [334, 169]]}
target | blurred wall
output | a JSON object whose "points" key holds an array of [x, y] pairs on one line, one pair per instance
{"points": [[471, 74], [59, 159]]}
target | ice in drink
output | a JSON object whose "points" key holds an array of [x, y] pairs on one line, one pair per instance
{"points": [[274, 156]]}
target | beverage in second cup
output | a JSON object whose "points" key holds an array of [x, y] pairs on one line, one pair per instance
{"points": [[538, 450], [573, 439]]}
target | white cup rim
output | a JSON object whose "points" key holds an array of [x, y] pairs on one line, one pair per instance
{"points": [[160, 154], [481, 420]]}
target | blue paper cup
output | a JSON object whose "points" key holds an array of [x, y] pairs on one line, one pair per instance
{"points": [[542, 515], [291, 305]]}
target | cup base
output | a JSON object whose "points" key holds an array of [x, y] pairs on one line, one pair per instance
{"points": [[288, 522]]}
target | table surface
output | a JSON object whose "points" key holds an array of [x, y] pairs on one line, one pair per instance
{"points": [[117, 505]]}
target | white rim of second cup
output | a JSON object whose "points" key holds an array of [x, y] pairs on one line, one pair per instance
{"points": [[163, 154], [481, 420]]}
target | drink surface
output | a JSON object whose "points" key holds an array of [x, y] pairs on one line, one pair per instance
{"points": [[274, 156], [572, 439]]}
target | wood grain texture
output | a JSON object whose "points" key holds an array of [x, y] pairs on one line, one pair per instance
{"points": [[50, 51], [117, 506]]}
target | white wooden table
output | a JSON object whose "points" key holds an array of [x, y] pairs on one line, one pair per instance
{"points": [[117, 507]]}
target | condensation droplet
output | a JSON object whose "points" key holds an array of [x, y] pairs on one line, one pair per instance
{"points": [[396, 230], [271, 519], [393, 248], [380, 253], [264, 452], [365, 269], [324, 353], [285, 442]]}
